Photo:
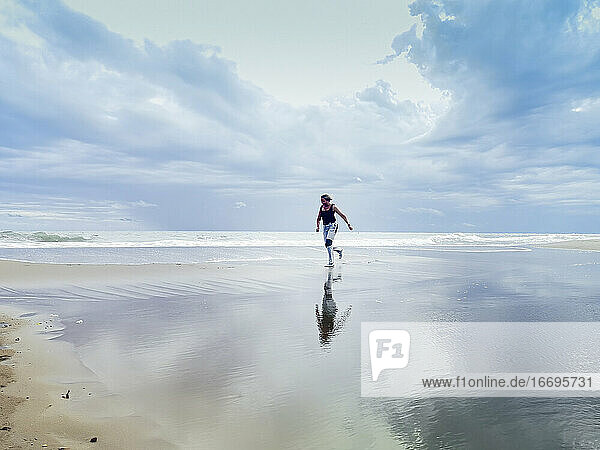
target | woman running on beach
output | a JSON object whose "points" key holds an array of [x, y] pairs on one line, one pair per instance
{"points": [[327, 214]]}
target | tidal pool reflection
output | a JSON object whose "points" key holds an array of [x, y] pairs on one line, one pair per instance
{"points": [[327, 321]]}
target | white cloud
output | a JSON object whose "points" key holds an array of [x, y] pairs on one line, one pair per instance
{"points": [[586, 105], [430, 211]]}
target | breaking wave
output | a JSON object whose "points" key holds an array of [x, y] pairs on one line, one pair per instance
{"points": [[40, 236], [190, 239]]}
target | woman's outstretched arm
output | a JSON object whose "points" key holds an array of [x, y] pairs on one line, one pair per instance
{"points": [[342, 215]]}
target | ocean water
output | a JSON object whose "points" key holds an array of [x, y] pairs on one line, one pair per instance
{"points": [[199, 247], [266, 354]]}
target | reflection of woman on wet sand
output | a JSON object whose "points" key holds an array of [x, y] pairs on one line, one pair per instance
{"points": [[326, 320]]}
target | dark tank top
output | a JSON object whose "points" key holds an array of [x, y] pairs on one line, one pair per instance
{"points": [[328, 216]]}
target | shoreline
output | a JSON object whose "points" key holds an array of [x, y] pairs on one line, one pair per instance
{"points": [[37, 367], [585, 245], [36, 376], [21, 274]]}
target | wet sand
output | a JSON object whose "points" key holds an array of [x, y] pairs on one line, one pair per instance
{"points": [[265, 354], [588, 244], [36, 372], [17, 274], [36, 410]]}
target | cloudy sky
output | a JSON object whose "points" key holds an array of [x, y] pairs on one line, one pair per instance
{"points": [[435, 115]]}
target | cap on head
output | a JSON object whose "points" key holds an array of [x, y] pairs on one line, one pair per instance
{"points": [[326, 197]]}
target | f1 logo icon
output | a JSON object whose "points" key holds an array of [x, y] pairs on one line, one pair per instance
{"points": [[389, 349]]}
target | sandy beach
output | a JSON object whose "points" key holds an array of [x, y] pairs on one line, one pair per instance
{"points": [[39, 412], [37, 409], [38, 369], [18, 274], [258, 353], [587, 244]]}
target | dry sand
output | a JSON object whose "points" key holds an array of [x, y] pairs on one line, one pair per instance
{"points": [[588, 244]]}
